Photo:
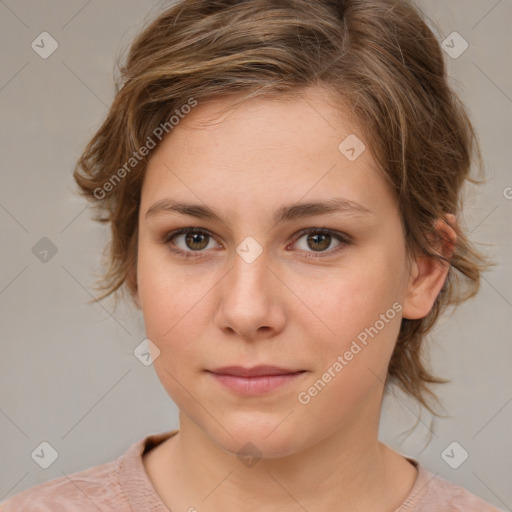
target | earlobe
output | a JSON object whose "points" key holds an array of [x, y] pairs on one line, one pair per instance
{"points": [[428, 274]]}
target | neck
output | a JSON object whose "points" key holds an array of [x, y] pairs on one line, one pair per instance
{"points": [[355, 469], [349, 470]]}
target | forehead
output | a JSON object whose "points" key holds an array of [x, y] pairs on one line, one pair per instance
{"points": [[269, 122], [265, 150]]}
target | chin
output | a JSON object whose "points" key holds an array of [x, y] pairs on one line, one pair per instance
{"points": [[260, 439]]}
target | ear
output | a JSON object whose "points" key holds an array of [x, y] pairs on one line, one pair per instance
{"points": [[428, 274]]}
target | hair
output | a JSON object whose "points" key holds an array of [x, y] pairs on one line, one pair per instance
{"points": [[378, 57]]}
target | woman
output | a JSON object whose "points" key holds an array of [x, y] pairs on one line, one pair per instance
{"points": [[282, 180]]}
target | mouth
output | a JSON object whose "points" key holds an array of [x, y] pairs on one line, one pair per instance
{"points": [[256, 371], [254, 381]]}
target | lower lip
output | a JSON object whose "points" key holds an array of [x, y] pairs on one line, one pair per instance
{"points": [[255, 385]]}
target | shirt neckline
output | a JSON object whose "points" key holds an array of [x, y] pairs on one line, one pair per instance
{"points": [[141, 494], [133, 479]]}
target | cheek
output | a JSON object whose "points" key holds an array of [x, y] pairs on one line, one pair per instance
{"points": [[347, 300], [172, 313], [166, 295], [360, 311], [351, 370]]}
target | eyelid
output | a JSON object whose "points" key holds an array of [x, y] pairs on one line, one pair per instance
{"points": [[343, 236], [180, 231]]}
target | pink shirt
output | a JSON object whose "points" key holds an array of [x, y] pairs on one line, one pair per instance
{"points": [[123, 485]]}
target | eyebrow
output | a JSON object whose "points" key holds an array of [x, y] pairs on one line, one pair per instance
{"points": [[284, 213]]}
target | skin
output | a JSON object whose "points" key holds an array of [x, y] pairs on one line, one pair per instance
{"points": [[216, 309]]}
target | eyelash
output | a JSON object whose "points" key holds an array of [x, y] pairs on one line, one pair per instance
{"points": [[342, 238]]}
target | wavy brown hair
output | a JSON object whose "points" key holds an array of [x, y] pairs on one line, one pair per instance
{"points": [[378, 57]]}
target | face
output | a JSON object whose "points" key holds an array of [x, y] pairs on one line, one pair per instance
{"points": [[316, 293]]}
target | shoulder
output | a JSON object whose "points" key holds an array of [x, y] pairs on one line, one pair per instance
{"points": [[85, 491], [120, 485], [433, 492]]}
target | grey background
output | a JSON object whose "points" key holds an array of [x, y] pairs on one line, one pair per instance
{"points": [[68, 375]]}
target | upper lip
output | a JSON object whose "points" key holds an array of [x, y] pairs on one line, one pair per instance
{"points": [[255, 371]]}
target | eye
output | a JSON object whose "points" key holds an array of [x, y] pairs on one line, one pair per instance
{"points": [[195, 240], [319, 239]]}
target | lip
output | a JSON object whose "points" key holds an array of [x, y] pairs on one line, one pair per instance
{"points": [[255, 371], [255, 381]]}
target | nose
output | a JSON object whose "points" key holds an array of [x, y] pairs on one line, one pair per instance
{"points": [[250, 300]]}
